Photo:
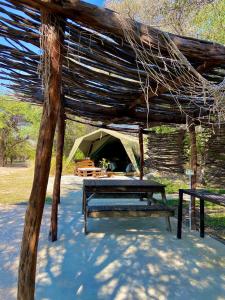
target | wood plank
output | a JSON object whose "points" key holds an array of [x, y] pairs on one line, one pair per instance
{"points": [[113, 211]]}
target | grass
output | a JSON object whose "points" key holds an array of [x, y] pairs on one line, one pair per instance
{"points": [[16, 183], [214, 218]]}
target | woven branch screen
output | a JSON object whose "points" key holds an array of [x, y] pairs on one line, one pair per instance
{"points": [[165, 152], [104, 78], [214, 165]]}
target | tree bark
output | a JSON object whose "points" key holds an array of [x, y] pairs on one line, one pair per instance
{"points": [[141, 144], [52, 47], [193, 164], [58, 173]]}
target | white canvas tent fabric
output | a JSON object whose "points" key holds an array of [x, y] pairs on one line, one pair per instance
{"points": [[93, 141]]}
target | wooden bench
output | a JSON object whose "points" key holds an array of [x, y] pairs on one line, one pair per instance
{"points": [[86, 167], [203, 195], [124, 189], [120, 211]]}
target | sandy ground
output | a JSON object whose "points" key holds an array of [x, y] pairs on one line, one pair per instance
{"points": [[120, 259]]}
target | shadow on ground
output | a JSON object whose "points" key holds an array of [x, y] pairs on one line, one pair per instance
{"points": [[119, 259], [127, 259]]}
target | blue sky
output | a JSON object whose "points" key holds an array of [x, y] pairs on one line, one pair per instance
{"points": [[96, 2], [2, 41]]}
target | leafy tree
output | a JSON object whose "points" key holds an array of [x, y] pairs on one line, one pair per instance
{"points": [[173, 16], [19, 123], [210, 22]]}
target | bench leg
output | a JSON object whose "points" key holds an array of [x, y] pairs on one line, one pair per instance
{"points": [[168, 224]]}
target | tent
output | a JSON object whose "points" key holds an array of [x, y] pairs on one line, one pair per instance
{"points": [[112, 145]]}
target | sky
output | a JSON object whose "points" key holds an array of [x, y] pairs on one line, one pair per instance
{"points": [[2, 41], [96, 2]]}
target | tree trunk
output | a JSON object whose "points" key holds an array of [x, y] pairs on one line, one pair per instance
{"points": [[141, 144], [58, 173], [2, 148], [52, 46], [193, 164]]}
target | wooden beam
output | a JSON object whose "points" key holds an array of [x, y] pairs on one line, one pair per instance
{"points": [[58, 173], [193, 165], [107, 20], [141, 144], [52, 47]]}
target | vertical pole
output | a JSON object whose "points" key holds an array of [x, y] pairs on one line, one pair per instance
{"points": [[52, 47], [179, 218], [193, 164], [58, 173], [141, 145], [202, 225]]}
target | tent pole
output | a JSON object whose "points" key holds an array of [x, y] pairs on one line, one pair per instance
{"points": [[52, 46], [58, 173], [141, 145], [193, 165]]}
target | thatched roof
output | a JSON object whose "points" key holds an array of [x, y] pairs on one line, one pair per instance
{"points": [[101, 74]]}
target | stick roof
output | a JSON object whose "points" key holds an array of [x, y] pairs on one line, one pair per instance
{"points": [[100, 73]]}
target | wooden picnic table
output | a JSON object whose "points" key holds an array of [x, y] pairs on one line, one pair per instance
{"points": [[203, 195], [124, 189]]}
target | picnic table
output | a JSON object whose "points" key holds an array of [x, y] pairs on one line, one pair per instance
{"points": [[203, 195], [124, 189]]}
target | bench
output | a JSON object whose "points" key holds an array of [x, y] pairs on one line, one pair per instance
{"points": [[203, 195], [86, 167], [124, 189]]}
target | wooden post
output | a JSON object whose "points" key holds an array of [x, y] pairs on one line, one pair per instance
{"points": [[52, 47], [193, 165], [58, 173], [141, 144]]}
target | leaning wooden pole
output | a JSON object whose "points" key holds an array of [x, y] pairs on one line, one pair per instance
{"points": [[141, 145], [52, 46], [193, 165], [58, 173]]}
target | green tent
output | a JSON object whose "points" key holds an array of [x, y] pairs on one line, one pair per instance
{"points": [[112, 145]]}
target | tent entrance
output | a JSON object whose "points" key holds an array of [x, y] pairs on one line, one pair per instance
{"points": [[112, 150]]}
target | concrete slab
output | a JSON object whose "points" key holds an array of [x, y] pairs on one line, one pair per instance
{"points": [[120, 259]]}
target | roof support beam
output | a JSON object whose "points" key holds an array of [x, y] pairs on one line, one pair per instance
{"points": [[58, 173], [107, 20], [52, 47]]}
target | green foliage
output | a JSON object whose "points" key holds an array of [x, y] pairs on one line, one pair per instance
{"points": [[163, 129], [19, 123], [210, 21], [79, 155], [68, 168], [104, 163]]}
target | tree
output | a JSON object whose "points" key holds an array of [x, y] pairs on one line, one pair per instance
{"points": [[210, 22], [172, 16], [19, 123]]}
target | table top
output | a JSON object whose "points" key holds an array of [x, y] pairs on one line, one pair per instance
{"points": [[206, 195], [121, 183]]}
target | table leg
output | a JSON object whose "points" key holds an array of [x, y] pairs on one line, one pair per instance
{"points": [[85, 210], [202, 225], [169, 228], [149, 197], [179, 221], [83, 197]]}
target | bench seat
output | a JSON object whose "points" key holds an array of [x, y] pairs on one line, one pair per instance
{"points": [[99, 211]]}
